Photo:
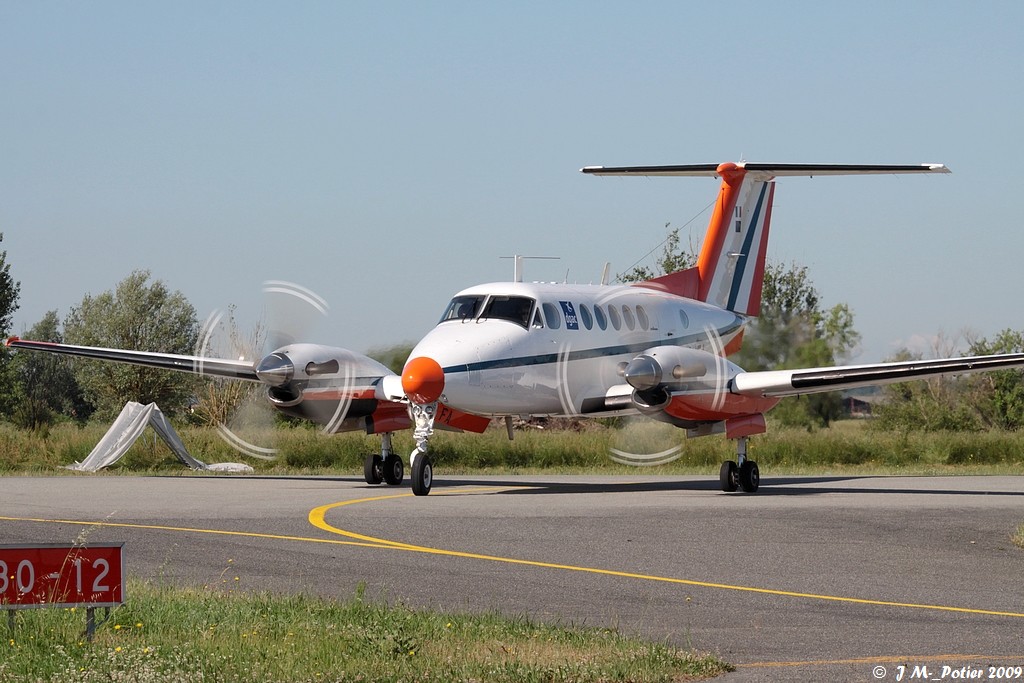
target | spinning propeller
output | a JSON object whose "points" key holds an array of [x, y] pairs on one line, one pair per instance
{"points": [[286, 367], [659, 376]]}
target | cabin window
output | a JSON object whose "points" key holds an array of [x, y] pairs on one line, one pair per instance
{"points": [[602, 322], [641, 317], [552, 316], [613, 315], [516, 309], [627, 315], [684, 319], [463, 308], [588, 320]]}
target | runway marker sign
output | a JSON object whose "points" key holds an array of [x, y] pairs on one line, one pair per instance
{"points": [[61, 576]]}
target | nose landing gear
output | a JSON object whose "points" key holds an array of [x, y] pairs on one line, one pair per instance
{"points": [[387, 466]]}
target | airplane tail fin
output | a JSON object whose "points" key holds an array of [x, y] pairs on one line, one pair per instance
{"points": [[730, 267]]}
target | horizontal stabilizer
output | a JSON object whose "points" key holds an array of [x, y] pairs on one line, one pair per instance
{"points": [[775, 170]]}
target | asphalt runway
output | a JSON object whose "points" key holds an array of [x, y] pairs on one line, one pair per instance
{"points": [[813, 578]]}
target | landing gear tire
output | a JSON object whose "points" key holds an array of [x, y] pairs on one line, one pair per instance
{"points": [[373, 468], [728, 476], [393, 470], [422, 474], [749, 477]]}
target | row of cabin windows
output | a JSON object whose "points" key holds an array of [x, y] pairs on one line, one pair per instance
{"points": [[616, 315], [517, 309]]}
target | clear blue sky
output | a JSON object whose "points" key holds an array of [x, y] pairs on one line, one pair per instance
{"points": [[386, 155]]}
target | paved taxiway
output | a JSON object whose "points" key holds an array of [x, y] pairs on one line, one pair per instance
{"points": [[813, 577]]}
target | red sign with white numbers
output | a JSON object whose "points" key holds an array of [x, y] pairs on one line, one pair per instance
{"points": [[61, 576]]}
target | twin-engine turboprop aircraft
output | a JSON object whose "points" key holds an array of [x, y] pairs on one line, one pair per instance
{"points": [[658, 348]]}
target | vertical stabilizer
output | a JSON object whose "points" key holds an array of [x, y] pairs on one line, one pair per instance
{"points": [[730, 266]]}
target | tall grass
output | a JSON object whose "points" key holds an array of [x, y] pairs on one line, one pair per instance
{"points": [[304, 449], [201, 634]]}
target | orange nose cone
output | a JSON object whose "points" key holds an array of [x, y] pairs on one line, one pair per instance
{"points": [[423, 380]]}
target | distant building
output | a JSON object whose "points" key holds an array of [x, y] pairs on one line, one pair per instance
{"points": [[859, 403]]}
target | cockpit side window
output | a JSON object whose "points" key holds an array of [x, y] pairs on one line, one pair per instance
{"points": [[515, 309], [463, 308], [552, 316]]}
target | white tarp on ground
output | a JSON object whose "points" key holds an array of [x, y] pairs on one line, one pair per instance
{"points": [[128, 427]]}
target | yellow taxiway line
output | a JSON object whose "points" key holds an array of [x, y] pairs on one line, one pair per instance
{"points": [[317, 517]]}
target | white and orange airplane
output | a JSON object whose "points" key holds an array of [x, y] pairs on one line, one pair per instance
{"points": [[658, 348]]}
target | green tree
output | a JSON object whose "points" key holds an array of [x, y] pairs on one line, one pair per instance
{"points": [[999, 396], [793, 331], [673, 258], [137, 315], [10, 291], [933, 404], [48, 385]]}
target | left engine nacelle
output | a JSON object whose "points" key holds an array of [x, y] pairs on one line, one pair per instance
{"points": [[659, 373], [689, 388], [293, 372], [677, 368]]}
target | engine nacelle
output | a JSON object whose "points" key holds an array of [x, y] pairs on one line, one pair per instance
{"points": [[683, 386], [321, 383], [689, 387], [678, 368]]}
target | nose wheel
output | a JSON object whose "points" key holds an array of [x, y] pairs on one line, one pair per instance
{"points": [[422, 473], [423, 415]]}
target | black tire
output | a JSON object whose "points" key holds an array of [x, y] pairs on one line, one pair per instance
{"points": [[422, 475], [393, 470], [373, 468], [750, 477], [727, 476]]}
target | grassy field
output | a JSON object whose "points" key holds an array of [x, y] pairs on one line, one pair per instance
{"points": [[848, 447], [182, 635]]}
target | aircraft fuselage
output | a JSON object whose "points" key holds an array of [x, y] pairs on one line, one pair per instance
{"points": [[554, 349]]}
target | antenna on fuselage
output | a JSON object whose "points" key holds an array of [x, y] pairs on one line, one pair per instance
{"points": [[605, 272], [517, 267]]}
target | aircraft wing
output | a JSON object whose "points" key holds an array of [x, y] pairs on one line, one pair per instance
{"points": [[213, 367], [781, 383]]}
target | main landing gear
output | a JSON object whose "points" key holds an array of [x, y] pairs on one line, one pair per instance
{"points": [[384, 467], [743, 475], [387, 466]]}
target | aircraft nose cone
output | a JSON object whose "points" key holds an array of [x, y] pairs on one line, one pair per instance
{"points": [[643, 372], [276, 370], [422, 380]]}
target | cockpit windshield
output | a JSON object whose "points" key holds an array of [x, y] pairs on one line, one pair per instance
{"points": [[463, 308], [515, 309]]}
